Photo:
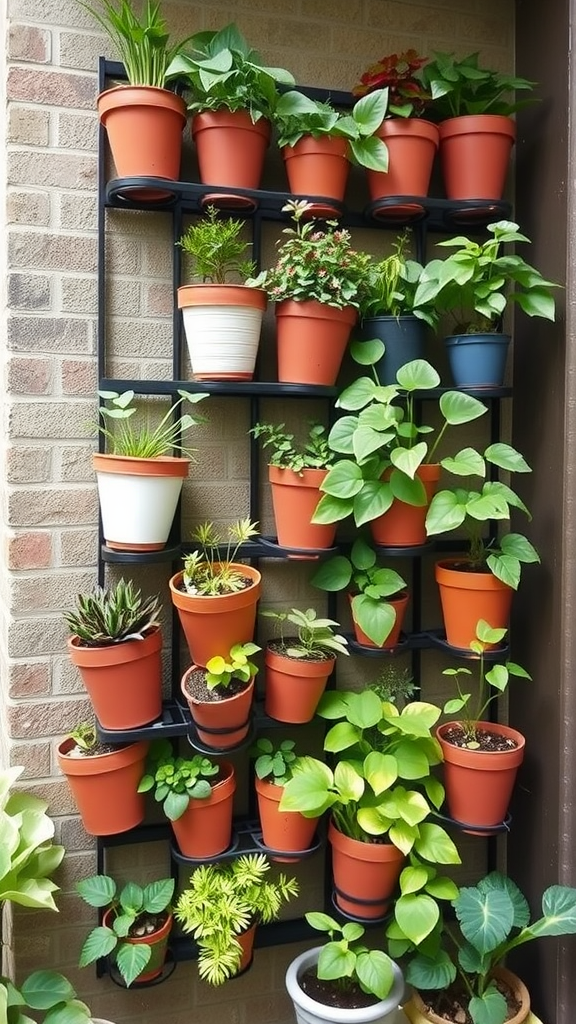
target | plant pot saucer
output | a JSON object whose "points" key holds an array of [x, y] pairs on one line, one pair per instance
{"points": [[368, 651], [197, 744], [476, 830], [281, 551], [358, 920], [156, 193], [287, 856], [397, 210], [438, 639], [228, 852], [229, 201]]}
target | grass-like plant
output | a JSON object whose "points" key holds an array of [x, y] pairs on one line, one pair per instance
{"points": [[215, 248], [112, 615], [146, 440], [211, 569]]}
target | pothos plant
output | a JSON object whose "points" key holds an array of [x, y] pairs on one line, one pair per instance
{"points": [[382, 786], [275, 762], [346, 960], [220, 671], [381, 442], [491, 683]]}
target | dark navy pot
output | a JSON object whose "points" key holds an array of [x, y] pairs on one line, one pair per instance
{"points": [[404, 338], [477, 360]]}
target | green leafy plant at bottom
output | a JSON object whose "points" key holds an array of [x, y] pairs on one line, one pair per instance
{"points": [[492, 919], [287, 453], [345, 960], [132, 904], [274, 763], [47, 993]]}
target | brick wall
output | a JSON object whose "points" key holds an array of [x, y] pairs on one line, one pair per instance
{"points": [[48, 501]]}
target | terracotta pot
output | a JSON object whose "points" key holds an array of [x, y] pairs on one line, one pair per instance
{"points": [[475, 155], [294, 500], [222, 325], [311, 341], [467, 597], [246, 940], [285, 831], [412, 144], [220, 724], [400, 605], [310, 1011], [479, 783], [417, 1011], [144, 127], [230, 147], [318, 167], [123, 681], [104, 787], [404, 525], [138, 499], [212, 625], [364, 874], [158, 940], [205, 828], [294, 686]]}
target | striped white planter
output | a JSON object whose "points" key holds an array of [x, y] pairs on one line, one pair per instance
{"points": [[222, 325], [138, 499]]}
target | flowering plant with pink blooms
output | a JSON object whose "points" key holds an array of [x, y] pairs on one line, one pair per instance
{"points": [[315, 263], [397, 72]]}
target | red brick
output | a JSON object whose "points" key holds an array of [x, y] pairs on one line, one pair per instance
{"points": [[30, 376], [30, 551], [35, 757], [29, 679], [28, 43], [50, 718], [53, 88], [79, 377]]}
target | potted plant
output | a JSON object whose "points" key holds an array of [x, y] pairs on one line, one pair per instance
{"points": [[318, 143], [116, 644], [475, 285], [378, 595], [296, 471], [197, 796], [222, 318], [344, 980], [480, 758], [103, 780], [463, 973], [376, 821], [282, 831], [216, 594], [479, 584], [220, 696], [139, 479], [223, 905], [232, 96], [316, 285], [135, 925], [388, 310], [298, 666], [386, 474], [144, 120], [410, 139], [473, 106]]}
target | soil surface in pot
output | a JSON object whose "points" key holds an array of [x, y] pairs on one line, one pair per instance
{"points": [[197, 687], [147, 924], [451, 1003], [282, 647], [485, 740], [96, 750], [348, 996], [242, 584]]}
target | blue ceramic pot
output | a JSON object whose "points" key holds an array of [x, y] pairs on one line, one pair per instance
{"points": [[477, 360]]}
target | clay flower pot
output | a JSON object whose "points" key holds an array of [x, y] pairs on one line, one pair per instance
{"points": [[311, 340], [412, 145], [475, 155], [283, 831], [294, 686], [104, 787], [364, 874], [417, 1011], [400, 604], [294, 500], [157, 940], [123, 680], [230, 148], [205, 828], [404, 525], [212, 625], [318, 167], [223, 723], [467, 597]]}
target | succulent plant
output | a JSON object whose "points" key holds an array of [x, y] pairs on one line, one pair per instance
{"points": [[112, 615]]}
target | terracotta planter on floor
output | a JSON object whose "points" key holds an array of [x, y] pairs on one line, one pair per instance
{"points": [[311, 340], [104, 787], [400, 605], [365, 874], [475, 155], [221, 724], [144, 127], [138, 499], [222, 325], [212, 625], [417, 1011], [285, 831], [404, 525], [205, 828], [479, 783], [123, 681], [294, 686], [294, 500], [467, 597], [230, 148], [318, 167], [412, 144], [157, 940]]}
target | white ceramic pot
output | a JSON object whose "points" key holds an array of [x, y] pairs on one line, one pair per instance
{"points": [[138, 499], [308, 1011], [222, 325]]}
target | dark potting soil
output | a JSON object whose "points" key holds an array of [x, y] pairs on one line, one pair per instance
{"points": [[485, 740], [280, 647], [147, 924], [331, 993], [451, 1003], [196, 686]]}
